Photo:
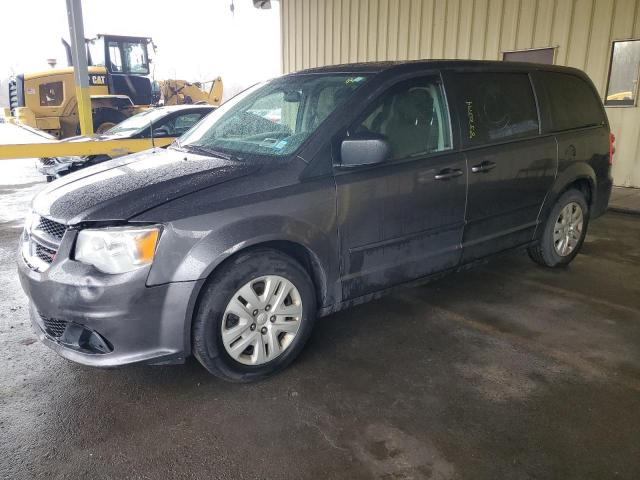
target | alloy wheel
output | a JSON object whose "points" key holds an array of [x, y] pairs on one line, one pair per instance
{"points": [[567, 230]]}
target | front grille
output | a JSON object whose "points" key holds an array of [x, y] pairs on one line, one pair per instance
{"points": [[55, 229], [16, 93], [40, 244], [54, 326], [45, 254], [48, 162]]}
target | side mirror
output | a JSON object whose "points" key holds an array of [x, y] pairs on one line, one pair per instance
{"points": [[364, 149], [161, 132]]}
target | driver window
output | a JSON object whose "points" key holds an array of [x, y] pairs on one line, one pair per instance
{"points": [[412, 116], [114, 57], [137, 58], [184, 122]]}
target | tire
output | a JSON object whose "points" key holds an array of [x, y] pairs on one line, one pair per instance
{"points": [[548, 251], [216, 300], [105, 118]]}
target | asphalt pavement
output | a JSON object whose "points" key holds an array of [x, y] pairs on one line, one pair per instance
{"points": [[508, 371]]}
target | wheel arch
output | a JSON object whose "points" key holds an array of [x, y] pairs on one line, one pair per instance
{"points": [[302, 254]]}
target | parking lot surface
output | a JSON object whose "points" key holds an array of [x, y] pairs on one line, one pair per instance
{"points": [[506, 371]]}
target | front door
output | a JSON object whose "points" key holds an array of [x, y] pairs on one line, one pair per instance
{"points": [[511, 166], [403, 219]]}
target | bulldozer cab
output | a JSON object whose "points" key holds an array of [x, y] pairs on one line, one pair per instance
{"points": [[126, 60]]}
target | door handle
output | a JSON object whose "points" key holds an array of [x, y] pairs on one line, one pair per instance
{"points": [[447, 173], [483, 167]]}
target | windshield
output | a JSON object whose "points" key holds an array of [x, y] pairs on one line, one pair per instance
{"points": [[138, 122], [273, 118]]}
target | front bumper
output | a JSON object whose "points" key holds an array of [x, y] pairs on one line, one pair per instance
{"points": [[108, 320], [52, 167]]}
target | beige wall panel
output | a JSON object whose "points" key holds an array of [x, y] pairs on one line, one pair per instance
{"points": [[363, 33], [439, 22], [544, 22], [580, 33], [414, 33], [510, 11], [383, 22], [452, 26], [354, 30], [561, 29], [494, 30], [597, 60], [464, 28], [404, 20], [321, 32], [623, 18], [299, 34], [426, 34], [625, 124], [526, 21], [392, 29], [477, 39], [372, 28]]}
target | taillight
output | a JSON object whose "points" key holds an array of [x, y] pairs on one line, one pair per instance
{"points": [[612, 147]]}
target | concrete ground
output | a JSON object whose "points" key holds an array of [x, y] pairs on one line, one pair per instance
{"points": [[625, 200], [509, 371]]}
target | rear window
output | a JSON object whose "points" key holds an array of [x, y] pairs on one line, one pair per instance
{"points": [[495, 107], [570, 101]]}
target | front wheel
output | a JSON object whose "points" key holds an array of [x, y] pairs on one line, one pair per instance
{"points": [[254, 316], [564, 231]]}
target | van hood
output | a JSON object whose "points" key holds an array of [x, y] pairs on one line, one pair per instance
{"points": [[122, 188]]}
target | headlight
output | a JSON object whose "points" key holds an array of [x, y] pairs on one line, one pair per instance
{"points": [[29, 221], [117, 249]]}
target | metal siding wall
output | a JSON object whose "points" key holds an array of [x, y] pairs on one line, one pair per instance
{"points": [[325, 32]]}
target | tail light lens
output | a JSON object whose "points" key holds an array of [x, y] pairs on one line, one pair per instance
{"points": [[612, 147]]}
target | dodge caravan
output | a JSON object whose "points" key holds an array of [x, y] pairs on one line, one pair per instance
{"points": [[306, 194]]}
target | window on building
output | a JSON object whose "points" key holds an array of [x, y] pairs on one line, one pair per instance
{"points": [[571, 101], [495, 107], [534, 55], [412, 116], [51, 94], [622, 88]]}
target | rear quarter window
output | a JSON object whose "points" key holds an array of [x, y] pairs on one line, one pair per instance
{"points": [[495, 107], [569, 102]]}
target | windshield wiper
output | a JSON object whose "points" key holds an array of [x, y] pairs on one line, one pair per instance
{"points": [[208, 151]]}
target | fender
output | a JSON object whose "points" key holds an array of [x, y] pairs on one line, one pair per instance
{"points": [[207, 253], [567, 176]]}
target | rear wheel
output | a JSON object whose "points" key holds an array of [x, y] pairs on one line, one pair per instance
{"points": [[564, 231], [254, 316]]}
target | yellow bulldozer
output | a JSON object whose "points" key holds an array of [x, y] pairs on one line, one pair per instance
{"points": [[119, 85]]}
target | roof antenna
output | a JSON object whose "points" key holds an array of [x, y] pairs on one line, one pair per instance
{"points": [[153, 145], [232, 7]]}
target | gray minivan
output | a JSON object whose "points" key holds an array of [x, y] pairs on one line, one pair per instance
{"points": [[306, 194]]}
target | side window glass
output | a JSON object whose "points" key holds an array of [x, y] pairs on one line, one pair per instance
{"points": [[114, 57], [184, 122], [412, 116], [495, 107], [571, 101]]}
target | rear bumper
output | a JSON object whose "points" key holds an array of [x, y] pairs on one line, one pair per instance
{"points": [[108, 320]]}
